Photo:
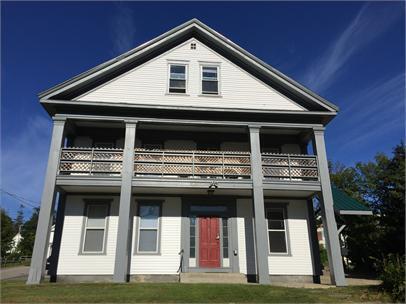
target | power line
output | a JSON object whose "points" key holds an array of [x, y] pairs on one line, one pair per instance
{"points": [[26, 202]]}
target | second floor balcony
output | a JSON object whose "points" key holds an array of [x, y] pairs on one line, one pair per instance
{"points": [[187, 164]]}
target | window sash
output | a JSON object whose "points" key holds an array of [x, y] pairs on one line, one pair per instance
{"points": [[95, 228], [155, 228], [210, 74], [284, 230], [177, 80]]}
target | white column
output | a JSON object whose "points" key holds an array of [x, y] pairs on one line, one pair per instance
{"points": [[261, 238], [123, 233], [327, 211], [39, 254]]}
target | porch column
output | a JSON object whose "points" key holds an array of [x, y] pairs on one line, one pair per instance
{"points": [[261, 238], [39, 254], [327, 211], [123, 233]]}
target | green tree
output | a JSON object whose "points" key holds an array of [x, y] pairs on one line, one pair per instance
{"points": [[379, 184], [19, 220], [28, 233], [7, 233]]}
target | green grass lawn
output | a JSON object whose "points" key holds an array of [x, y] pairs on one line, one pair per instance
{"points": [[18, 292]]}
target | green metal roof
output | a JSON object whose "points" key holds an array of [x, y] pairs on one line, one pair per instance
{"points": [[346, 205]]}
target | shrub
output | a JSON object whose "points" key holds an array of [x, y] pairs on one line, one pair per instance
{"points": [[323, 256], [392, 274]]}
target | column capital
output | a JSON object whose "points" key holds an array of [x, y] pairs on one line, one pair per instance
{"points": [[58, 119], [129, 122], [254, 128], [318, 130]]}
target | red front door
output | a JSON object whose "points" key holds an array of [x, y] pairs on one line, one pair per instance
{"points": [[209, 245]]}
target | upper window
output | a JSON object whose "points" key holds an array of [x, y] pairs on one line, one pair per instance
{"points": [[210, 84], [177, 78], [148, 234], [276, 230], [95, 228]]}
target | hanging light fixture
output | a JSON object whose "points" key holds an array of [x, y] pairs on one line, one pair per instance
{"points": [[213, 186]]}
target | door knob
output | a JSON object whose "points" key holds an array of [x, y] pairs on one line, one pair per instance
{"points": [[217, 237]]}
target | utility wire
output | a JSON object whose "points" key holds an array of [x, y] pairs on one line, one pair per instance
{"points": [[26, 202]]}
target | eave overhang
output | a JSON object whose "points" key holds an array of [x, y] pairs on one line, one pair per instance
{"points": [[181, 112]]}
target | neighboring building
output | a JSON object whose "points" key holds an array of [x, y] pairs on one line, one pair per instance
{"points": [[16, 241], [344, 207], [165, 155]]}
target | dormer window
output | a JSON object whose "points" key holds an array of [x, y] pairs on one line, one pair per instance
{"points": [[177, 78], [210, 83]]}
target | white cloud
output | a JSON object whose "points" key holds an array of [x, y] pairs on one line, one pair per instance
{"points": [[371, 21], [123, 29], [373, 113]]}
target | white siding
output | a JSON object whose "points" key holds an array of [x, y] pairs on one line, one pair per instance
{"points": [[148, 84], [167, 262], [299, 262], [70, 261]]}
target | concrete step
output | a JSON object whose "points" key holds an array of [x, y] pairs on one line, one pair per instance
{"points": [[213, 277]]}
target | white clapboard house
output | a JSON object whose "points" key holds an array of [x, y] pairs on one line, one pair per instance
{"points": [[185, 155]]}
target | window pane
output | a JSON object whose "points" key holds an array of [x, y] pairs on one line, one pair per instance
{"points": [[225, 237], [149, 216], [209, 73], [192, 252], [277, 241], [178, 72], [276, 224], [192, 242], [180, 84], [275, 214], [96, 215], [210, 87], [94, 240], [148, 240]]}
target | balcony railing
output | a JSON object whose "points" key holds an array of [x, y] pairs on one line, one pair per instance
{"points": [[192, 164], [187, 164], [290, 167], [91, 161]]}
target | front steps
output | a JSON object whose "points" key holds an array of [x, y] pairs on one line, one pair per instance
{"points": [[213, 277]]}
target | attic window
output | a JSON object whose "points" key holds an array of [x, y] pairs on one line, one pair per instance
{"points": [[177, 78], [193, 46], [210, 85]]}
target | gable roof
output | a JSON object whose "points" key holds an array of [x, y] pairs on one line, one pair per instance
{"points": [[194, 28], [346, 205]]}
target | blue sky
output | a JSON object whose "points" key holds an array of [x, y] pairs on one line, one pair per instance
{"points": [[351, 53]]}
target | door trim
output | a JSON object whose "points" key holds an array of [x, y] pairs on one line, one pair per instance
{"points": [[231, 213]]}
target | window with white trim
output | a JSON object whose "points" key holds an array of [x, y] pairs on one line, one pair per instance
{"points": [[277, 230], [148, 228], [95, 228], [210, 80], [177, 78]]}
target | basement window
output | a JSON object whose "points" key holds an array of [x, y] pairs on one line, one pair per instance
{"points": [[177, 78]]}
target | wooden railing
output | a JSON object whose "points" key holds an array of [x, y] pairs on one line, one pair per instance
{"points": [[194, 164], [91, 161], [290, 167], [187, 164]]}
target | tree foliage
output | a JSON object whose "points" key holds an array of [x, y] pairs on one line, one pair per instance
{"points": [[7, 233], [380, 184], [28, 233]]}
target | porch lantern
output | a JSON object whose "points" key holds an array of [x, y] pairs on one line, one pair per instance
{"points": [[213, 186]]}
